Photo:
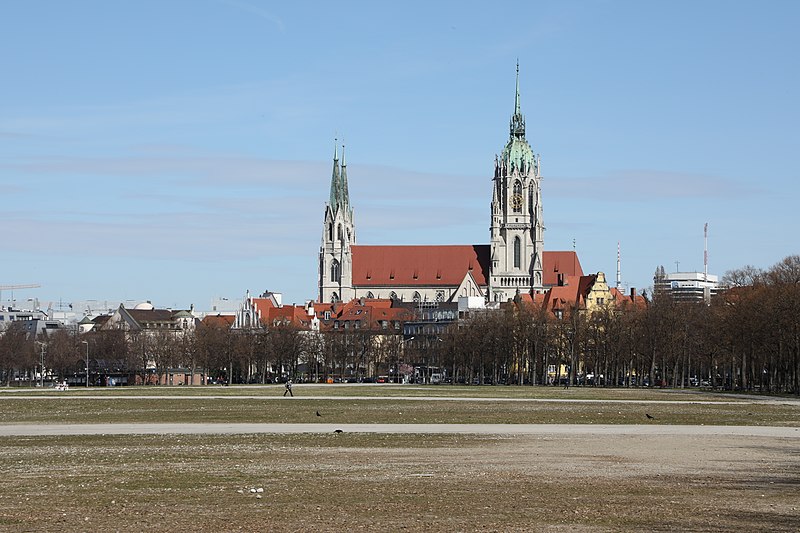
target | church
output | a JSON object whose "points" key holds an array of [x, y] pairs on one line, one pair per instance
{"points": [[514, 262]]}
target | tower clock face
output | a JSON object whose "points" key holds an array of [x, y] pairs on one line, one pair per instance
{"points": [[516, 202]]}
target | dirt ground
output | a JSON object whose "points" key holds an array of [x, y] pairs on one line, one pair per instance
{"points": [[400, 482]]}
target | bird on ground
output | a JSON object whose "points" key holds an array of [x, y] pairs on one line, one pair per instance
{"points": [[318, 414], [649, 417], [338, 431]]}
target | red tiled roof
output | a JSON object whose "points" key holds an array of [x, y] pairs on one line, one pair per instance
{"points": [[218, 320], [620, 298], [445, 265], [561, 297], [397, 266], [293, 314], [555, 263], [369, 311]]}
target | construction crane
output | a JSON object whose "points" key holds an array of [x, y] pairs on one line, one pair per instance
{"points": [[13, 287]]}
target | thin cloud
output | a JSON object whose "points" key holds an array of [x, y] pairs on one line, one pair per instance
{"points": [[259, 12], [646, 185]]}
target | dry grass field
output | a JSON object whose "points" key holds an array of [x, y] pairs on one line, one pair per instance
{"points": [[398, 482]]}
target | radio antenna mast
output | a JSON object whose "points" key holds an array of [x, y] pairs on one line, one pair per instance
{"points": [[705, 252]]}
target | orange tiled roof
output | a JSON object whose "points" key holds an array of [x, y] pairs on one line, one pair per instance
{"points": [[369, 311], [559, 262], [397, 266], [637, 300], [443, 265], [218, 320]]}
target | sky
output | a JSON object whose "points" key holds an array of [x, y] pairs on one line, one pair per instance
{"points": [[177, 151]]}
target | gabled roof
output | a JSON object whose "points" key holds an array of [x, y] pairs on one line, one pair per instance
{"points": [[622, 299], [150, 315], [442, 265], [559, 262], [295, 315], [101, 319], [398, 266], [370, 312], [219, 321]]}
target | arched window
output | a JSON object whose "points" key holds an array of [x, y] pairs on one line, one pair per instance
{"points": [[417, 296], [517, 200], [334, 298], [336, 272], [370, 295], [341, 233], [393, 295], [517, 252], [330, 232]]}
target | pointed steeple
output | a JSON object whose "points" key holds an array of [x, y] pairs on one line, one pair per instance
{"points": [[343, 189], [517, 123], [516, 95], [335, 179]]}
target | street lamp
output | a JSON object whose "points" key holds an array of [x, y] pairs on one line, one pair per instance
{"points": [[41, 367], [402, 348], [87, 362]]}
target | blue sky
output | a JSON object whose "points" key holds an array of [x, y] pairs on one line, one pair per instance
{"points": [[180, 150]]}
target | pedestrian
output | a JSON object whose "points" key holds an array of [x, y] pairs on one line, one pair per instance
{"points": [[288, 388]]}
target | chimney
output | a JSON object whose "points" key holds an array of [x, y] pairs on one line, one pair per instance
{"points": [[633, 293]]}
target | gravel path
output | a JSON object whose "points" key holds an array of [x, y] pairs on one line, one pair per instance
{"points": [[480, 429]]}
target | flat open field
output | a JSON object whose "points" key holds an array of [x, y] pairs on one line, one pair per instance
{"points": [[547, 479]]}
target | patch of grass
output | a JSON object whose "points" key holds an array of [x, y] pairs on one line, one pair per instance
{"points": [[230, 409]]}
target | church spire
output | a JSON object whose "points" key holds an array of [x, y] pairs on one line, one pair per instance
{"points": [[516, 96], [344, 190], [517, 124], [335, 179]]}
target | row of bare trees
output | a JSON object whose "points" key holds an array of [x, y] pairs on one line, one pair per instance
{"points": [[748, 339], [216, 351]]}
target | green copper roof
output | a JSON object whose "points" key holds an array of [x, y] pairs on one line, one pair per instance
{"points": [[517, 150], [339, 196], [334, 197], [344, 190]]}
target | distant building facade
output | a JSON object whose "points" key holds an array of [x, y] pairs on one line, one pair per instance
{"points": [[687, 286]]}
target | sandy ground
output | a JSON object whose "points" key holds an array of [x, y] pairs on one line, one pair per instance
{"points": [[632, 479], [400, 477], [584, 430]]}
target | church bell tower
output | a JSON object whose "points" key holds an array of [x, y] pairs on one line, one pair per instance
{"points": [[338, 235], [517, 228]]}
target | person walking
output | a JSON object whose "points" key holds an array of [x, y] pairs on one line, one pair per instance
{"points": [[288, 388]]}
